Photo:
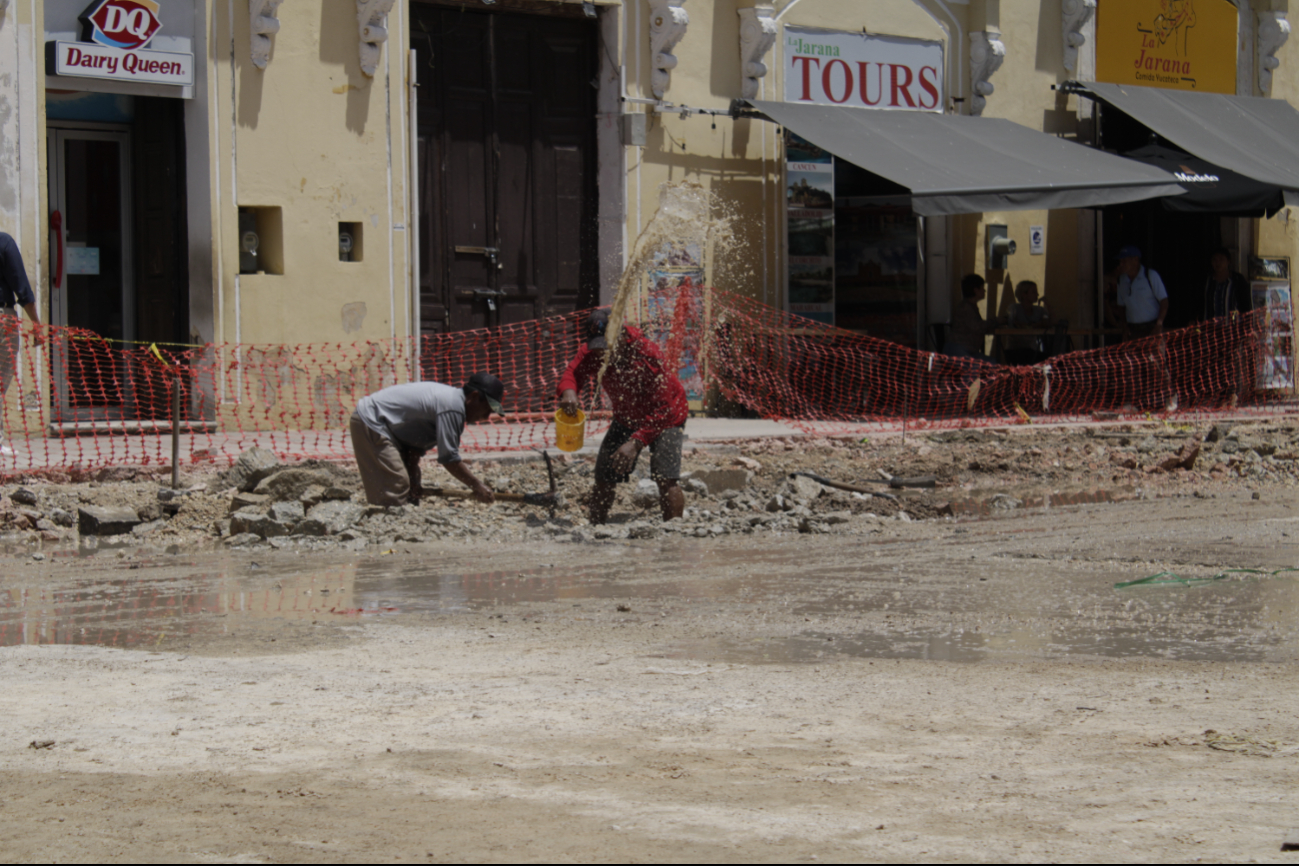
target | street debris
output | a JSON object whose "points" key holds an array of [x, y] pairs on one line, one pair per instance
{"points": [[805, 485]]}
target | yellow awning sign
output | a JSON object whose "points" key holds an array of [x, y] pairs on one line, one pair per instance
{"points": [[1176, 44]]}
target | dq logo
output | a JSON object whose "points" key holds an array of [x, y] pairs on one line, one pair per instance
{"points": [[125, 24]]}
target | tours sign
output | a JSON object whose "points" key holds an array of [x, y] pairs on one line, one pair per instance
{"points": [[114, 39], [1174, 44], [832, 67]]}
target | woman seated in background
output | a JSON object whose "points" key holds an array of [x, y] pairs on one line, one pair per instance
{"points": [[1026, 350]]}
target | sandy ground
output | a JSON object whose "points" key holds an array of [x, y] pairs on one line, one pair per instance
{"points": [[953, 689]]}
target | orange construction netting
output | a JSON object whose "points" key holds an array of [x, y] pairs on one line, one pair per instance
{"points": [[79, 403]]}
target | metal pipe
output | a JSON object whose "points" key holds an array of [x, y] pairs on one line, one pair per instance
{"points": [[175, 431]]}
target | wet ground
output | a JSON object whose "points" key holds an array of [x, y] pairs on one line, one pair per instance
{"points": [[956, 689]]}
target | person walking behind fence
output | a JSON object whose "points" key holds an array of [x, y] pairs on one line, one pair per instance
{"points": [[15, 290], [1144, 303], [649, 410], [393, 428]]}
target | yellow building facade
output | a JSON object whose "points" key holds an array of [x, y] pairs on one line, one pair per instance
{"points": [[335, 171]]}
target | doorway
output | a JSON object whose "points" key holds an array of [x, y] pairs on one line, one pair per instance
{"points": [[1175, 245], [92, 284], [506, 164]]}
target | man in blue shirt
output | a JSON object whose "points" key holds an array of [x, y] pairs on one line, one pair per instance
{"points": [[1144, 301], [1141, 295], [15, 290]]}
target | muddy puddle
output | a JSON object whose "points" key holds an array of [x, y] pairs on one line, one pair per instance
{"points": [[992, 503], [795, 603]]}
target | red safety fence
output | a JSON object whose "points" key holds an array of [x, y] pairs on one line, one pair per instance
{"points": [[784, 366], [80, 402]]}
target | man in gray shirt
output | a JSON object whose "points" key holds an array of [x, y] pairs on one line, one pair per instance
{"points": [[393, 428]]}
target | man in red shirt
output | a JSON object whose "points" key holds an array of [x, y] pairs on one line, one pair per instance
{"points": [[649, 409]]}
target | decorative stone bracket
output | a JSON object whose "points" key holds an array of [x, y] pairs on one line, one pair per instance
{"points": [[1074, 15], [668, 23], [372, 20], [757, 35], [1273, 31], [263, 25], [987, 53]]}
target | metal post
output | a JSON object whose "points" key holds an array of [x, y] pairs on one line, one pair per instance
{"points": [[175, 432]]}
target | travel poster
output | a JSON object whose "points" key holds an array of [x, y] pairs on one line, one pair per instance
{"points": [[1276, 361], [676, 266], [809, 199]]}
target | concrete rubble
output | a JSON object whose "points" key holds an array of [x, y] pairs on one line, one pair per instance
{"points": [[731, 489]]}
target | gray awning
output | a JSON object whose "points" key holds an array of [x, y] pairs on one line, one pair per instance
{"points": [[1256, 137], [955, 164]]}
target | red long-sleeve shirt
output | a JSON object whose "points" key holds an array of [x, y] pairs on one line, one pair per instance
{"points": [[645, 396]]}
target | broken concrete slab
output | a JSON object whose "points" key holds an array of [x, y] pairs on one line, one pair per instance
{"points": [[291, 483], [62, 518], [695, 486], [288, 513], [801, 487], [334, 516], [1219, 431], [721, 480], [23, 496], [646, 494], [1183, 459], [98, 520], [248, 500], [250, 468]]}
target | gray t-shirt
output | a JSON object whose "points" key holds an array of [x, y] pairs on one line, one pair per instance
{"points": [[419, 415]]}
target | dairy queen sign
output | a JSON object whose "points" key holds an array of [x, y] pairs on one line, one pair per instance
{"points": [[114, 36]]}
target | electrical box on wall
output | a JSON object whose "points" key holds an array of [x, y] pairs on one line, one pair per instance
{"points": [[999, 247], [634, 127], [261, 240], [350, 242]]}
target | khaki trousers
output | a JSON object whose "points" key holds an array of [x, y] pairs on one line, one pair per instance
{"points": [[383, 474], [8, 355]]}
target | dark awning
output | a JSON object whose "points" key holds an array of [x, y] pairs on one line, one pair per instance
{"points": [[1249, 135], [1210, 188], [954, 164]]}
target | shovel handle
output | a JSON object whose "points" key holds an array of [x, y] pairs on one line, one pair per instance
{"points": [[455, 493]]}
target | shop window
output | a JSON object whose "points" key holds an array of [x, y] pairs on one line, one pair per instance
{"points": [[261, 240], [876, 249], [350, 246]]}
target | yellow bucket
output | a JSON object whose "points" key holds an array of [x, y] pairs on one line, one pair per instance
{"points": [[570, 430]]}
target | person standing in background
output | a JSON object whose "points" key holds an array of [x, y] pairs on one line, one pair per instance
{"points": [[1026, 350], [15, 291], [1225, 291], [1142, 296]]}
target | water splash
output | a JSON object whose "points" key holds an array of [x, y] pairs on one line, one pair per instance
{"points": [[688, 217]]}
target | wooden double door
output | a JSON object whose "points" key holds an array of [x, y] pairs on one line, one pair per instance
{"points": [[506, 164]]}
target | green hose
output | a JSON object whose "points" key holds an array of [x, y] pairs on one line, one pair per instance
{"points": [[1165, 578]]}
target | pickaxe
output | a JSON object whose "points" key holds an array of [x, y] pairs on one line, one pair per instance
{"points": [[549, 499]]}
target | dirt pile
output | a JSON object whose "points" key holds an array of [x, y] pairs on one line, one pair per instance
{"points": [[739, 488]]}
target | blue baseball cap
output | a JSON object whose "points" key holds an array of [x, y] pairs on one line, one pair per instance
{"points": [[1130, 252]]}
